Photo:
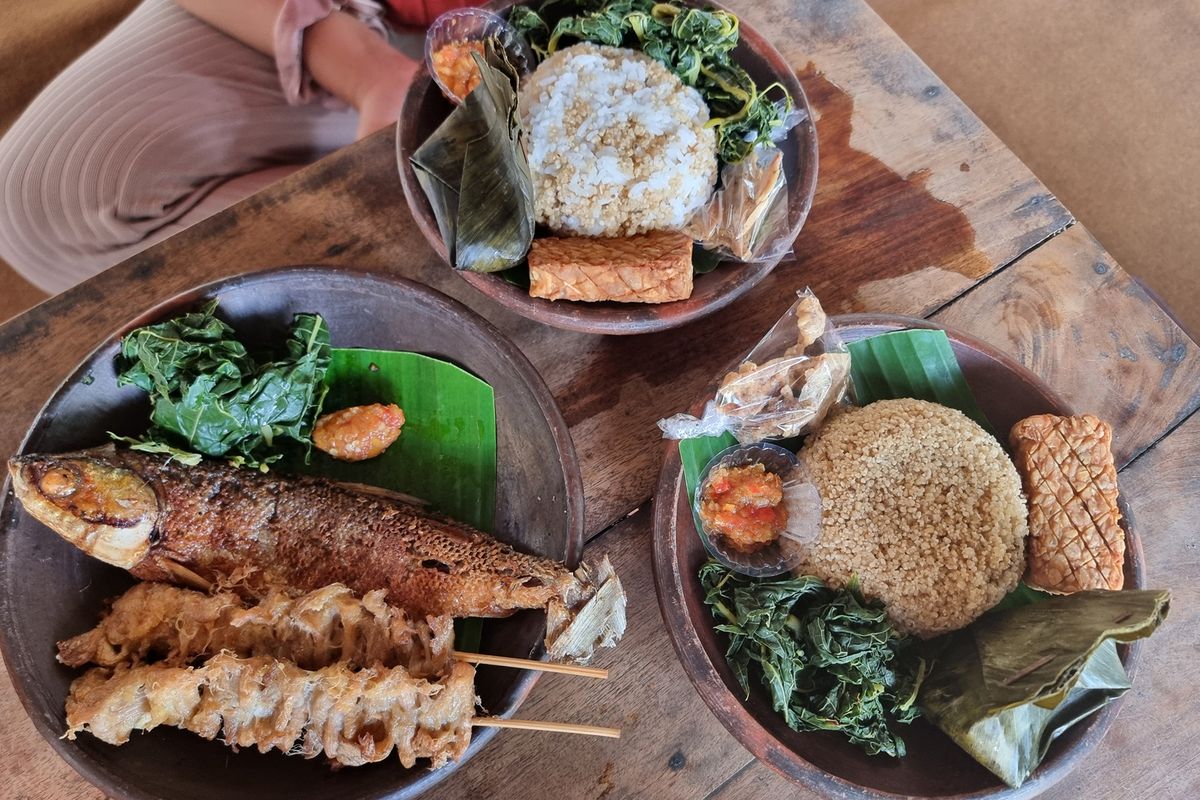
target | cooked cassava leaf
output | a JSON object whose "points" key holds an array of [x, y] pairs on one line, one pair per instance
{"points": [[830, 660], [1010, 683], [474, 172], [209, 397], [693, 43]]}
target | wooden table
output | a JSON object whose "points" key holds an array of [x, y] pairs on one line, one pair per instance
{"points": [[920, 210]]}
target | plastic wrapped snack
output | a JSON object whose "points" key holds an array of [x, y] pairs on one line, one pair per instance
{"points": [[746, 219], [785, 386]]}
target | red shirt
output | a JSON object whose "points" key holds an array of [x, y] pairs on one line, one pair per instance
{"points": [[420, 13]]}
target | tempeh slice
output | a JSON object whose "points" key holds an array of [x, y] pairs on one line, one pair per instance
{"points": [[1075, 537], [653, 267]]}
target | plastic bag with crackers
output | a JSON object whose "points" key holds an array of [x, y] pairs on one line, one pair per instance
{"points": [[784, 387]]}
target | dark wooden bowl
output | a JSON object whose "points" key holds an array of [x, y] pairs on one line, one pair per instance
{"points": [[425, 108], [826, 762], [50, 591]]}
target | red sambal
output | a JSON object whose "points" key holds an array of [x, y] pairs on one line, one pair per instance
{"points": [[744, 505]]}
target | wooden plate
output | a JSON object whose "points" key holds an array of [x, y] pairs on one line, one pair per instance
{"points": [[50, 591], [826, 762], [425, 108]]}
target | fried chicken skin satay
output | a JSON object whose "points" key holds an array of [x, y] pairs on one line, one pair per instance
{"points": [[175, 626], [352, 717]]}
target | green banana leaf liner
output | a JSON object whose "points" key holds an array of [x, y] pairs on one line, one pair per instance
{"points": [[446, 454], [1009, 684]]}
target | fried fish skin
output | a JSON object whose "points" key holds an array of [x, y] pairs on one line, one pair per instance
{"points": [[353, 717], [1075, 537], [149, 514]]}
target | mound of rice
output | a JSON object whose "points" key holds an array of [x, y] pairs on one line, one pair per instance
{"points": [[924, 506], [617, 143]]}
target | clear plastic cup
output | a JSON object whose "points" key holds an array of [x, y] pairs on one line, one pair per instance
{"points": [[804, 512], [474, 25]]}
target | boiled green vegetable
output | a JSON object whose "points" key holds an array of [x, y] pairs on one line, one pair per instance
{"points": [[209, 397], [694, 44], [830, 660], [1010, 683], [474, 172]]}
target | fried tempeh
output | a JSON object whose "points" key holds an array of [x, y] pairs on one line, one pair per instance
{"points": [[653, 267], [1075, 537], [353, 717], [175, 626]]}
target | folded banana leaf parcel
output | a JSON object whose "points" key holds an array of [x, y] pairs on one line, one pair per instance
{"points": [[1006, 686], [474, 172]]}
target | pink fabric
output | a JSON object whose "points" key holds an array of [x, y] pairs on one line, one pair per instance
{"points": [[294, 19], [161, 124], [420, 13]]}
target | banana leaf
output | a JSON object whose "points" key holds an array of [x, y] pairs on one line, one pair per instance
{"points": [[1009, 684], [695, 455], [916, 363], [446, 453], [474, 172]]}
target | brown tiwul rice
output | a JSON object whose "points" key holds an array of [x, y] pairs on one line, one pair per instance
{"points": [[924, 506]]}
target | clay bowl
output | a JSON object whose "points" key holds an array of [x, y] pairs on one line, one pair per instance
{"points": [[824, 762], [50, 591], [425, 108]]}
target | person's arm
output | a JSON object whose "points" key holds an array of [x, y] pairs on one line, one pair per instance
{"points": [[343, 55]]}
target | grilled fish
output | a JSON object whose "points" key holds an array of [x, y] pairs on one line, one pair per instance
{"points": [[215, 523]]}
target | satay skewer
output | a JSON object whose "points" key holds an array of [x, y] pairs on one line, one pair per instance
{"points": [[173, 604], [541, 725], [190, 578], [530, 664]]}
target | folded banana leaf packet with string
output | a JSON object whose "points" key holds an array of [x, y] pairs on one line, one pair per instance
{"points": [[1008, 685], [474, 172]]}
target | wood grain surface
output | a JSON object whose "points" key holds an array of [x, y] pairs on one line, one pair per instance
{"points": [[917, 204], [1073, 316]]}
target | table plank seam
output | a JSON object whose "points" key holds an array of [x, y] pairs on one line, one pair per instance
{"points": [[1195, 412], [982, 282], [716, 791]]}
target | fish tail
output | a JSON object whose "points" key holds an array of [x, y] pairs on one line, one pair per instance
{"points": [[589, 615]]}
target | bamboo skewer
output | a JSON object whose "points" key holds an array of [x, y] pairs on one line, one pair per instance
{"points": [[539, 725], [526, 663]]}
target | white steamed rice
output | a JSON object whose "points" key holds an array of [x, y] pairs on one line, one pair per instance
{"points": [[617, 143]]}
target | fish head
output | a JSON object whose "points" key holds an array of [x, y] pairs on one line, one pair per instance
{"points": [[105, 510]]}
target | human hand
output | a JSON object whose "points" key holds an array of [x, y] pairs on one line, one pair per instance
{"points": [[379, 101]]}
